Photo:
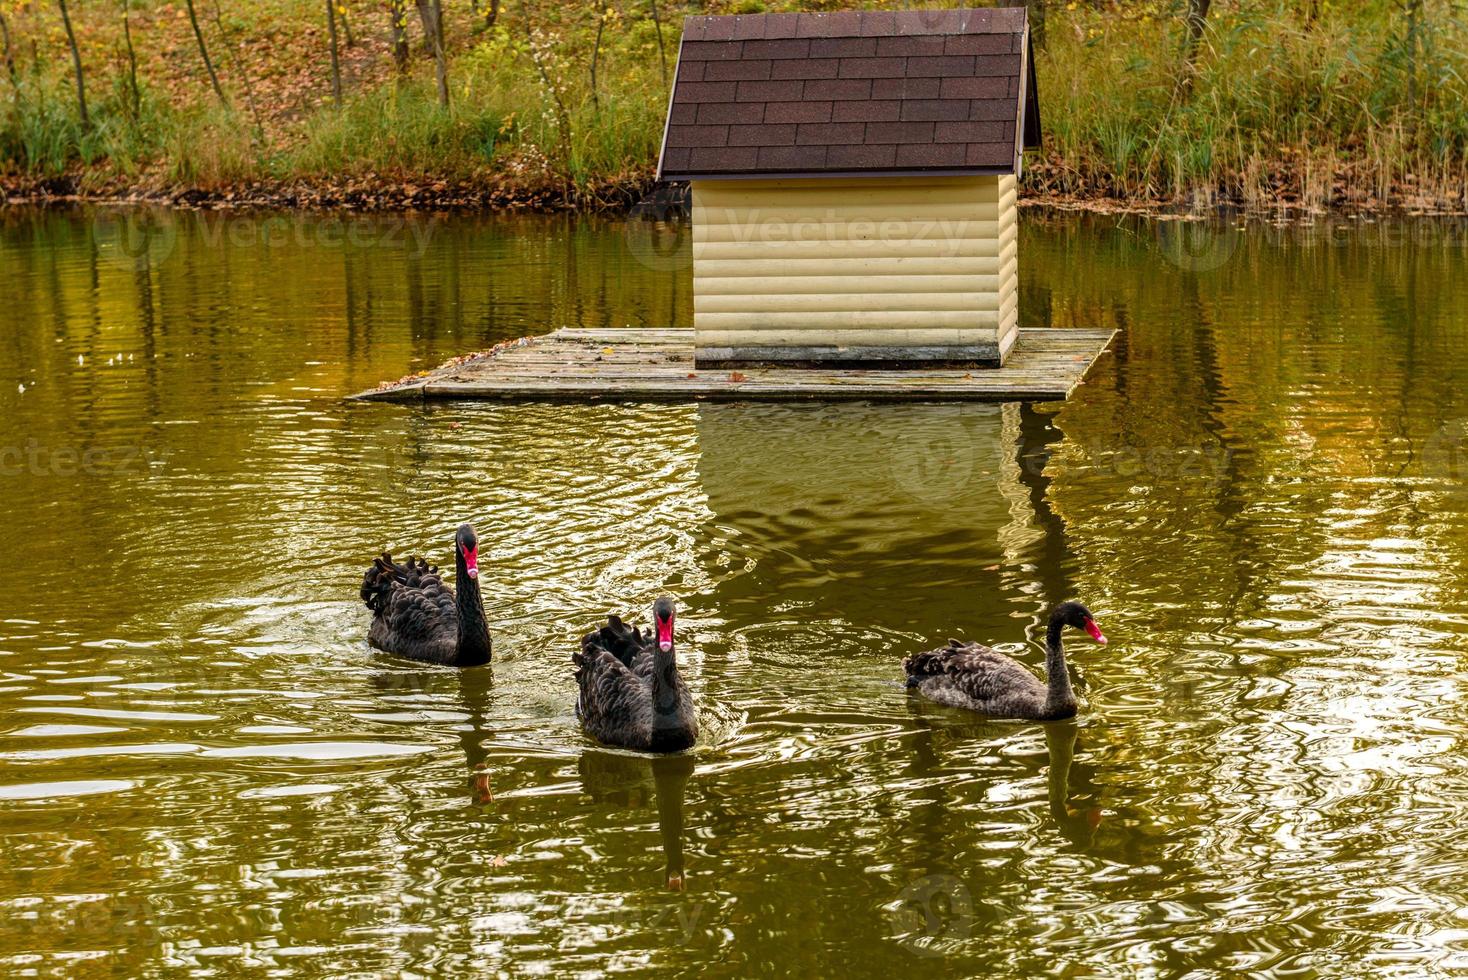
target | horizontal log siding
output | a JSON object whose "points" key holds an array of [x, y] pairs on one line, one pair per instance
{"points": [[906, 262], [1009, 272]]}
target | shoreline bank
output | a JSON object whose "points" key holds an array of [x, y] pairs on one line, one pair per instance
{"points": [[633, 196]]}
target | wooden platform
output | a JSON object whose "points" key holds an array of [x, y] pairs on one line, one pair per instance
{"points": [[657, 365]]}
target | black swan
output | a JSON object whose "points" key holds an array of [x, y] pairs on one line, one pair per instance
{"points": [[415, 615], [631, 692], [970, 675]]}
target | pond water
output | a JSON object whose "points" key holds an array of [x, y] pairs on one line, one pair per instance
{"points": [[204, 768]]}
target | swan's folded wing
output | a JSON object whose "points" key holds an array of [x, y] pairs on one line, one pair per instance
{"points": [[628, 645], [420, 615], [387, 576], [987, 675], [614, 701], [972, 668], [618, 640]]}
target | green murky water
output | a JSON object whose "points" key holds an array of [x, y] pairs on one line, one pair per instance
{"points": [[204, 769]]}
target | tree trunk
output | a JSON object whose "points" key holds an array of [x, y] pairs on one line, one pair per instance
{"points": [[488, 16], [76, 64], [242, 70], [440, 59], [1197, 22], [7, 54], [135, 96], [204, 52], [336, 66], [398, 11], [662, 53], [351, 38], [1414, 17], [601, 23], [430, 23]]}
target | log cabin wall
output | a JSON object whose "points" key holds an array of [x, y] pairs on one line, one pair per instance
{"points": [[864, 269]]}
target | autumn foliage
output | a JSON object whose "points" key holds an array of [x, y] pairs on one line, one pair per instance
{"points": [[542, 102]]}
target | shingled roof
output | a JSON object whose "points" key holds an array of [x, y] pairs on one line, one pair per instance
{"points": [[852, 92]]}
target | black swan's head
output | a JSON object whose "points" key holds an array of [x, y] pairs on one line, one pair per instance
{"points": [[466, 542], [1078, 616], [664, 611]]}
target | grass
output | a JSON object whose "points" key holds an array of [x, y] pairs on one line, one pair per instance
{"points": [[1318, 113], [1359, 107]]}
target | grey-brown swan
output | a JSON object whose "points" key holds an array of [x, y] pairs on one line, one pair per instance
{"points": [[972, 676], [415, 615], [631, 693]]}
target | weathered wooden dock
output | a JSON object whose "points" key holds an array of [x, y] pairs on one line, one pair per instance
{"points": [[657, 365]]}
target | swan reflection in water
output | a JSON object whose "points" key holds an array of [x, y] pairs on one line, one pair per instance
{"points": [[1073, 796], [624, 780], [465, 693], [1078, 821], [630, 781]]}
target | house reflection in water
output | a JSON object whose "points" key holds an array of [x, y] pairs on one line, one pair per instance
{"points": [[920, 516]]}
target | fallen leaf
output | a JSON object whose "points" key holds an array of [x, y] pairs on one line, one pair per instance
{"points": [[692, 375], [736, 377]]}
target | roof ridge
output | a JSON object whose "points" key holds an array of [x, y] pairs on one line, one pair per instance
{"points": [[855, 23]]}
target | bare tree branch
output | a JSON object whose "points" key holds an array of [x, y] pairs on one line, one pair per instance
{"points": [[204, 51], [76, 64], [336, 66]]}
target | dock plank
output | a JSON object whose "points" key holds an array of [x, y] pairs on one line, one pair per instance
{"points": [[656, 364]]}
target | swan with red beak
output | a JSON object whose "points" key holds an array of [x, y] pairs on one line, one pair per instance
{"points": [[631, 692], [469, 548], [415, 614], [665, 612], [972, 676]]}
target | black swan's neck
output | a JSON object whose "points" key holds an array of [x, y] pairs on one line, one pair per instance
{"points": [[1059, 697], [473, 645], [667, 691]]}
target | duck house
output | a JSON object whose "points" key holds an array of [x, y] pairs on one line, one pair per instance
{"points": [[853, 183]]}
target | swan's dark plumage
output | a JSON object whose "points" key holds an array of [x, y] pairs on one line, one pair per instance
{"points": [[624, 643], [631, 693], [416, 615], [972, 676]]}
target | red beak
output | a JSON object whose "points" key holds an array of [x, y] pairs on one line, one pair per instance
{"points": [[665, 634], [1095, 632], [471, 563]]}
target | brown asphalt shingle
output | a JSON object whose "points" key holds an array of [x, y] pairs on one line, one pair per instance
{"points": [[851, 92]]}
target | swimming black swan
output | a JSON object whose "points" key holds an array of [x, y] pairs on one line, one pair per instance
{"points": [[631, 692], [415, 615], [970, 675]]}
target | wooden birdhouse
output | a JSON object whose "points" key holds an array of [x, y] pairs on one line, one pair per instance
{"points": [[853, 183]]}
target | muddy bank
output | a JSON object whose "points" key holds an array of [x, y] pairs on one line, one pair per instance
{"points": [[641, 195]]}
